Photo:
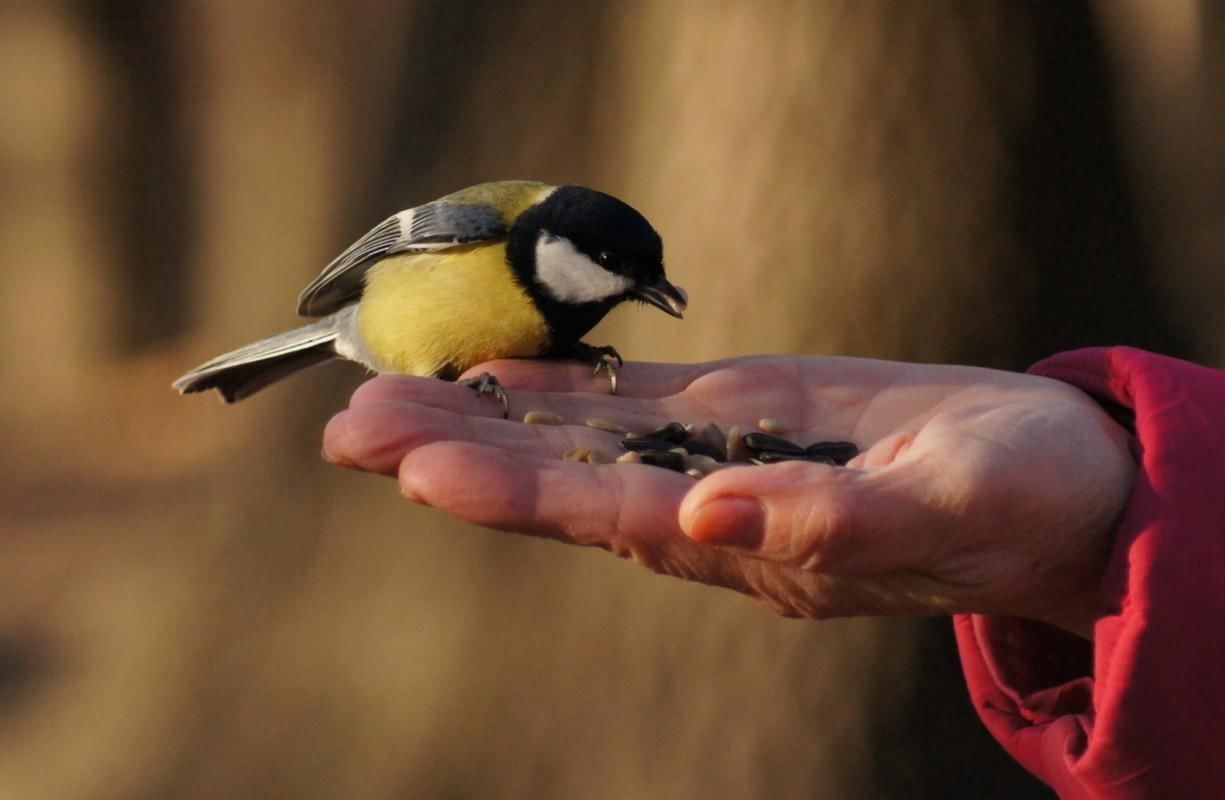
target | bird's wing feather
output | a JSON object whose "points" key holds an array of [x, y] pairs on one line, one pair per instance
{"points": [[433, 226]]}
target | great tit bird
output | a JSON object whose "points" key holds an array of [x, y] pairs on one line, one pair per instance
{"points": [[512, 269]]}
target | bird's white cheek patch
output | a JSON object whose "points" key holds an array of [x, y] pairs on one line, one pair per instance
{"points": [[572, 277]]}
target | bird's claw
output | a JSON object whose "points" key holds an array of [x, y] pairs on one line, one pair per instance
{"points": [[605, 358], [486, 383], [608, 364]]}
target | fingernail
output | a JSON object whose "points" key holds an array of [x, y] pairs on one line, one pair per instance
{"points": [[410, 494], [729, 522], [340, 462]]}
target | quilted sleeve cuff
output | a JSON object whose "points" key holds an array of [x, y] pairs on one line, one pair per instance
{"points": [[1140, 711]]}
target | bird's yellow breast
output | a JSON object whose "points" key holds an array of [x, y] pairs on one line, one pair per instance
{"points": [[430, 313]]}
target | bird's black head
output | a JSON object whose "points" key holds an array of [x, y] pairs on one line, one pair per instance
{"points": [[580, 252]]}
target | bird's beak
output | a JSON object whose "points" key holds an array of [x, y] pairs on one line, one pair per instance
{"points": [[667, 297]]}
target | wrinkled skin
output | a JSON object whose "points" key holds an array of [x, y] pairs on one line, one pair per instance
{"points": [[977, 491]]}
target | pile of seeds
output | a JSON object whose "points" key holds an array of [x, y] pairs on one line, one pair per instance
{"points": [[700, 451]]}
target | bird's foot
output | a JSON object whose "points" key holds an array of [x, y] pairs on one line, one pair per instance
{"points": [[605, 358], [487, 384]]}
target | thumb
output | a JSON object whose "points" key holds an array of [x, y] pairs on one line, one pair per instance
{"points": [[814, 516]]}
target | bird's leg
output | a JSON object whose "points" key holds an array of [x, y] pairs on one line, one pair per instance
{"points": [[488, 384], [605, 358]]}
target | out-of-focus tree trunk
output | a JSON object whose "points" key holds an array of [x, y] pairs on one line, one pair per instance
{"points": [[1170, 61]]}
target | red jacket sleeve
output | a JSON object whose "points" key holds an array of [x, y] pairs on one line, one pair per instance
{"points": [[1140, 711]]}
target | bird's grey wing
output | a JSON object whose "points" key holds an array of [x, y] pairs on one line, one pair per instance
{"points": [[433, 226]]}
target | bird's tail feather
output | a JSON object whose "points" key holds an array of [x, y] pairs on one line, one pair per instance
{"points": [[243, 372]]}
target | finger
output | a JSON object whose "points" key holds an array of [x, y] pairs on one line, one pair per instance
{"points": [[372, 438], [631, 414], [375, 438], [817, 517], [621, 506], [388, 389], [635, 379], [628, 509]]}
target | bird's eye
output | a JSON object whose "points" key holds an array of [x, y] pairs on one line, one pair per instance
{"points": [[605, 258]]}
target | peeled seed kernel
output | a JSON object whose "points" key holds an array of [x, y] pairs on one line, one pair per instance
{"points": [[632, 457], [576, 454], [772, 425], [736, 448], [543, 418], [598, 456], [606, 425]]}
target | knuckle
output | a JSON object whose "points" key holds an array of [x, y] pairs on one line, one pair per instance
{"points": [[824, 532]]}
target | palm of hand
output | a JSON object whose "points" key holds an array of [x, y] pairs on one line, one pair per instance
{"points": [[978, 490]]}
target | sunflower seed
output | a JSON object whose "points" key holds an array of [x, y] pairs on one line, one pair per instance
{"points": [[839, 452], [695, 473], [543, 418], [598, 456], [764, 442], [736, 449], [579, 453], [702, 463], [710, 440], [606, 425], [674, 432], [694, 445], [641, 445], [772, 425], [663, 458], [773, 457], [631, 457]]}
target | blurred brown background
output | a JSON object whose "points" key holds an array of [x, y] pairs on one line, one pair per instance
{"points": [[192, 604]]}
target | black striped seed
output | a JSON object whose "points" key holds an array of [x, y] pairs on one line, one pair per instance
{"points": [[663, 458], [674, 432], [772, 457], [840, 452], [764, 442], [645, 445]]}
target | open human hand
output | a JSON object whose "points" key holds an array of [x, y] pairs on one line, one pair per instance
{"points": [[976, 491]]}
